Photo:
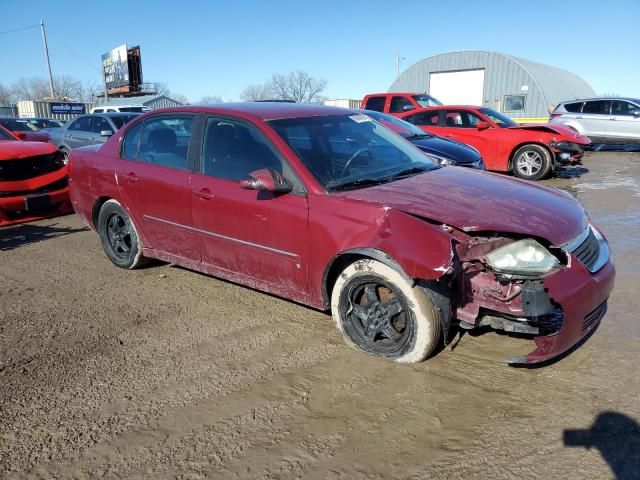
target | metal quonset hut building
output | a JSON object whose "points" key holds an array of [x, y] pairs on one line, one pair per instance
{"points": [[514, 86]]}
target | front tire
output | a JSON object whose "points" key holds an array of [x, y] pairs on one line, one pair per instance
{"points": [[119, 237], [378, 311], [532, 162]]}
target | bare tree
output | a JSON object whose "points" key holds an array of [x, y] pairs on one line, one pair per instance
{"points": [[298, 86], [31, 89], [178, 97], [90, 91], [67, 88], [256, 92], [211, 99], [6, 95]]}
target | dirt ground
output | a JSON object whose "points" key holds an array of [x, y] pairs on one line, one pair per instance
{"points": [[167, 373]]}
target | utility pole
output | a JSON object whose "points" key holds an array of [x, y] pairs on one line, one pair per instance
{"points": [[399, 60], [46, 54]]}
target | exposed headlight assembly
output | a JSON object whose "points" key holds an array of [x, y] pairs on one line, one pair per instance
{"points": [[524, 257], [438, 159]]}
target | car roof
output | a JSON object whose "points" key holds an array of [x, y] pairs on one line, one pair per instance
{"points": [[395, 93], [261, 110], [629, 99]]}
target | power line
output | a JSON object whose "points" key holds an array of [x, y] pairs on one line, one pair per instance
{"points": [[21, 28]]}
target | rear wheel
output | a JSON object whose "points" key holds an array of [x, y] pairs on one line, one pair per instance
{"points": [[118, 236], [379, 312], [532, 162]]}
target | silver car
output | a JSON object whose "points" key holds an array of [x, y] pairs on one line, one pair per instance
{"points": [[603, 120], [88, 130]]}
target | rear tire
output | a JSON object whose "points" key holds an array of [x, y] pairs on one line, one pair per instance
{"points": [[119, 236], [532, 162], [378, 311]]}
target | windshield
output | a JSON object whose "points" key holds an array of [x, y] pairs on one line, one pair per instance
{"points": [[120, 120], [17, 125], [406, 129], [497, 118], [427, 100], [4, 135], [44, 123], [351, 151]]}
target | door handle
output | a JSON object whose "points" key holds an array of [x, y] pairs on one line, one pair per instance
{"points": [[205, 194], [130, 177]]}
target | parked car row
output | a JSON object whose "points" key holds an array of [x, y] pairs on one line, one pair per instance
{"points": [[330, 208]]}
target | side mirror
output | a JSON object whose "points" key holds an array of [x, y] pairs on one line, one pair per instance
{"points": [[106, 133], [483, 125], [266, 180], [20, 135], [406, 108]]}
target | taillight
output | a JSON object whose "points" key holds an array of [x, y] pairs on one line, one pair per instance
{"points": [[554, 115]]}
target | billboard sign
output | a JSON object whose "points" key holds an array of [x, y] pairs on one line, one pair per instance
{"points": [[68, 108], [115, 67]]}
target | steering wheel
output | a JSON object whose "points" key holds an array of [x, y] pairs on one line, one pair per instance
{"points": [[351, 158]]}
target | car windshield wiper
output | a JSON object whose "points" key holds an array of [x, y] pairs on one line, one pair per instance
{"points": [[358, 182], [413, 136], [407, 173]]}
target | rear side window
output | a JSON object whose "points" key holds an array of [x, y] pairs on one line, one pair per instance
{"points": [[82, 124], [131, 141], [598, 107], [573, 107], [375, 103], [100, 124], [398, 103], [165, 141], [425, 118]]}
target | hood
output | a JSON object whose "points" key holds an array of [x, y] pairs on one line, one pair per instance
{"points": [[15, 150], [554, 129], [453, 150], [478, 201]]}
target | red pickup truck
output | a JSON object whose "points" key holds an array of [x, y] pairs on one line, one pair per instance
{"points": [[397, 103]]}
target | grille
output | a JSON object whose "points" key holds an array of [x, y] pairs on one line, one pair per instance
{"points": [[23, 169], [52, 187], [594, 316], [588, 251]]}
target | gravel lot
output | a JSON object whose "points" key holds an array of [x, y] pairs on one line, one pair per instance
{"points": [[167, 373]]}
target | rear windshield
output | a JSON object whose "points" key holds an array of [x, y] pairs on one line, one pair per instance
{"points": [[131, 109]]}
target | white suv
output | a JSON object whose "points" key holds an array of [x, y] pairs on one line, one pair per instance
{"points": [[603, 120], [120, 109]]}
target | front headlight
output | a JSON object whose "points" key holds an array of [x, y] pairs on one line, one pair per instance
{"points": [[525, 257], [438, 159]]}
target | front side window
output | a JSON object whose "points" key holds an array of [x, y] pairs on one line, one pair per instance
{"points": [[352, 151], [597, 107], [375, 103], [619, 107], [232, 150], [100, 124], [398, 103], [82, 124], [164, 141], [513, 103], [461, 119]]}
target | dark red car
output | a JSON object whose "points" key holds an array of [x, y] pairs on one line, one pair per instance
{"points": [[33, 180], [532, 152], [328, 208], [24, 130]]}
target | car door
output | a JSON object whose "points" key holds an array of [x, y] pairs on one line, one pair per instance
{"points": [[625, 121], [154, 174], [100, 125], [79, 133], [595, 118], [253, 236]]}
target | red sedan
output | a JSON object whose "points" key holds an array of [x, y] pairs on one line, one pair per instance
{"points": [[331, 209], [33, 180], [532, 152]]}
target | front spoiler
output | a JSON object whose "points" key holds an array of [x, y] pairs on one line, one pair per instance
{"points": [[583, 296]]}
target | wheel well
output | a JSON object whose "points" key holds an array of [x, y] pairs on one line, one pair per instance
{"points": [[343, 260], [96, 209], [517, 147]]}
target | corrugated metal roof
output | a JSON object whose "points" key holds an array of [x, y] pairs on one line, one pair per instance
{"points": [[141, 100], [504, 75]]}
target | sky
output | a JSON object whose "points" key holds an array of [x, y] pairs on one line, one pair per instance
{"points": [[201, 48]]}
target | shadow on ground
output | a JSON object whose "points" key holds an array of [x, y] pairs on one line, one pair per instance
{"points": [[617, 438], [26, 234]]}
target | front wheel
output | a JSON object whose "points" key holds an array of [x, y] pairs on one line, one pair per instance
{"points": [[379, 312], [118, 236], [532, 162]]}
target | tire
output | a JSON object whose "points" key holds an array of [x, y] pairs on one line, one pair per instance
{"points": [[119, 237], [532, 162], [365, 324]]}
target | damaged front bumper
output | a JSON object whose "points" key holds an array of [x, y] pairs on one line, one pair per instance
{"points": [[558, 310], [567, 153]]}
